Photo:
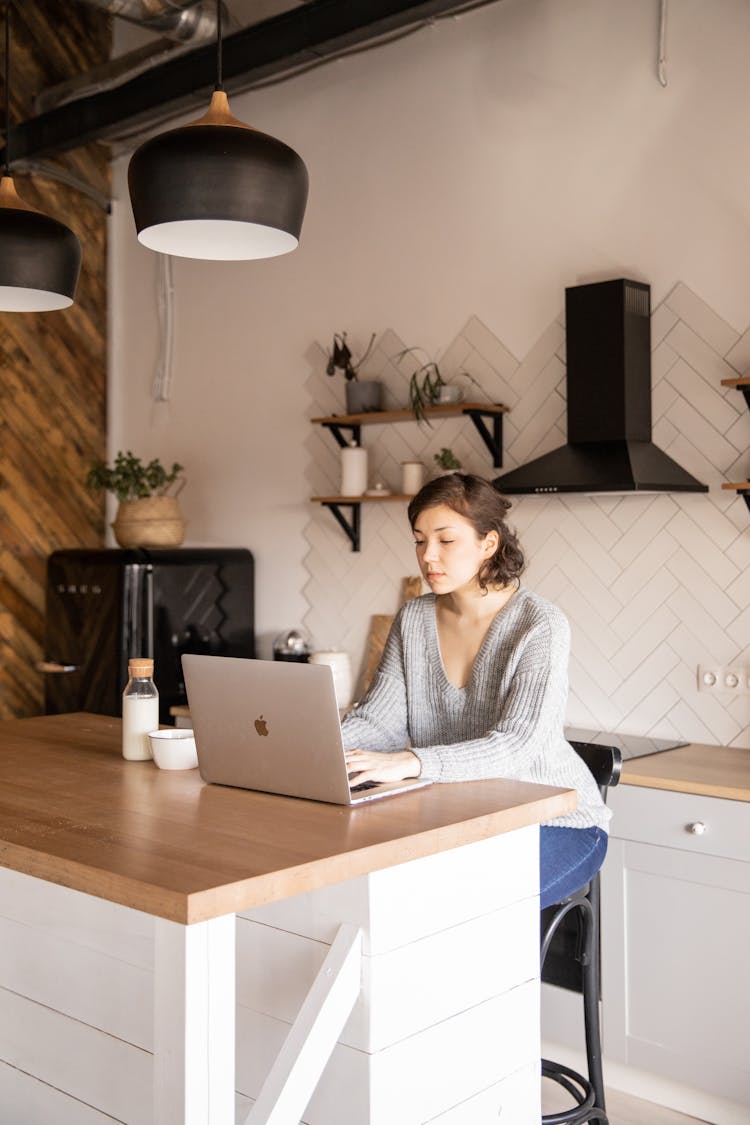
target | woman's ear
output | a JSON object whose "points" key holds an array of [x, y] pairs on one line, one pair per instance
{"points": [[491, 543]]}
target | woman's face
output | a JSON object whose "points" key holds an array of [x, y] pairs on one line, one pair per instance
{"points": [[449, 551]]}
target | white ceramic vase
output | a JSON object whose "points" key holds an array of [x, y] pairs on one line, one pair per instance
{"points": [[340, 665]]}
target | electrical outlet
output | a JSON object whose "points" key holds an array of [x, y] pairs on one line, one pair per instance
{"points": [[724, 678]]}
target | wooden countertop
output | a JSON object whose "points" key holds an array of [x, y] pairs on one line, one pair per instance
{"points": [[712, 771], [73, 812]]}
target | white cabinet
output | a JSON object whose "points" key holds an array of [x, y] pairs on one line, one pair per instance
{"points": [[676, 939]]}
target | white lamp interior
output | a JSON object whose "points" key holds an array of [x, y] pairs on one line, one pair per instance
{"points": [[219, 239], [16, 299]]}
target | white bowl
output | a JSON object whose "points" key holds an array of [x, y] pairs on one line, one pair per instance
{"points": [[174, 748]]}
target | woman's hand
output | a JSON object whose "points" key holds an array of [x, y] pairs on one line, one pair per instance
{"points": [[377, 765]]}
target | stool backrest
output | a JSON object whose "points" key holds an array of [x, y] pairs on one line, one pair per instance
{"points": [[605, 762]]}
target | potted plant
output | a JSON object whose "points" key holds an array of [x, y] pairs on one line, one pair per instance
{"points": [[148, 514], [425, 384], [363, 396], [447, 461]]}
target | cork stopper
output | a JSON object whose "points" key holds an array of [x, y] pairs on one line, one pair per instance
{"points": [[140, 668]]}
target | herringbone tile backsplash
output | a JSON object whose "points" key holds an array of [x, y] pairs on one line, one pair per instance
{"points": [[653, 585]]}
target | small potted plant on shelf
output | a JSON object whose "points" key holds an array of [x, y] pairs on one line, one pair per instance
{"points": [[425, 384], [363, 396], [427, 387], [447, 461], [148, 514]]}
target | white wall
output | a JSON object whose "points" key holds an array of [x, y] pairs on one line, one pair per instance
{"points": [[472, 170]]}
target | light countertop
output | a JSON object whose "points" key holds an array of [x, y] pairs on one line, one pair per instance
{"points": [[711, 771], [73, 812]]}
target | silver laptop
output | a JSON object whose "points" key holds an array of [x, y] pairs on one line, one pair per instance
{"points": [[273, 726]]}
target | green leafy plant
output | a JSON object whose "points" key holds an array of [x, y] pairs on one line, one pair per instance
{"points": [[446, 459], [424, 384], [130, 479], [340, 357]]}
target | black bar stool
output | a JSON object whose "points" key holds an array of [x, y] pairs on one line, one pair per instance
{"points": [[605, 763]]}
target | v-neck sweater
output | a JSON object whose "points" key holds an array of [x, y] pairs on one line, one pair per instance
{"points": [[506, 722]]}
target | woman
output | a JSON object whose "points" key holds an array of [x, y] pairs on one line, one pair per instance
{"points": [[474, 678]]}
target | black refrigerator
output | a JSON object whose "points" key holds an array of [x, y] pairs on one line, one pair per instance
{"points": [[104, 607]]}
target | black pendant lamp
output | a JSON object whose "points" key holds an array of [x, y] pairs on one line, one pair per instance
{"points": [[40, 259], [217, 188]]}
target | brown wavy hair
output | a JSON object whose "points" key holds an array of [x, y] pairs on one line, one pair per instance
{"points": [[485, 508]]}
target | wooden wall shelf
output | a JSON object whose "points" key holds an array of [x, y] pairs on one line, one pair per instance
{"points": [[741, 384], [479, 412], [743, 488]]}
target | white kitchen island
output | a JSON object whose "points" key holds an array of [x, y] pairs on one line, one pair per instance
{"points": [[176, 952]]}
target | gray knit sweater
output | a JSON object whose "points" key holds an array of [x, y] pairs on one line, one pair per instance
{"points": [[506, 722]]}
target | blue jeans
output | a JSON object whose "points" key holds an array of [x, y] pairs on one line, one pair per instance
{"points": [[568, 859]]}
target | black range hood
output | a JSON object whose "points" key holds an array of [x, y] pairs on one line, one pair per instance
{"points": [[608, 328]]}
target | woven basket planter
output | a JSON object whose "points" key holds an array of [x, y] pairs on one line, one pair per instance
{"points": [[154, 521]]}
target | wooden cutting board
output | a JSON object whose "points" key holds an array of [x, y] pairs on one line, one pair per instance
{"points": [[380, 624]]}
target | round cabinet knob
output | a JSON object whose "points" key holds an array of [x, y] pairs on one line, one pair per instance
{"points": [[697, 828]]}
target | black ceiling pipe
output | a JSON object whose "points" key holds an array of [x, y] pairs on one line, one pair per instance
{"points": [[314, 31]]}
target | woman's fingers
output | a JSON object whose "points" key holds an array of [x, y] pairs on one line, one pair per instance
{"points": [[374, 765], [360, 778]]}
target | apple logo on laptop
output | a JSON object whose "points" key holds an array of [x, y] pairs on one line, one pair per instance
{"points": [[261, 726]]}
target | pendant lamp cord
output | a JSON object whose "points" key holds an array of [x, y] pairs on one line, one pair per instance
{"points": [[6, 149], [219, 77]]}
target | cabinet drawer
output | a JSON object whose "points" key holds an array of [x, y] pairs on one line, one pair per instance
{"points": [[657, 816]]}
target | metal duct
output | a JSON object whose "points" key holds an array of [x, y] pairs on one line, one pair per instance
{"points": [[108, 75], [182, 23], [183, 20], [304, 35]]}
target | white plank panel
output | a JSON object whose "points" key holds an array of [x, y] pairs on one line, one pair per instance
{"points": [[25, 1100], [412, 900], [429, 895], [77, 981], [399, 994], [514, 1101], [80, 918], [463, 1056], [105, 1073], [429, 981]]}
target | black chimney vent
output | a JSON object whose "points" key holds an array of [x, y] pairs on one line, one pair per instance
{"points": [[608, 327]]}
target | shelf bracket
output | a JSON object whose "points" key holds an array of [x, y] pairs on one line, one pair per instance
{"points": [[746, 392], [493, 440], [745, 494], [351, 526], [354, 430]]}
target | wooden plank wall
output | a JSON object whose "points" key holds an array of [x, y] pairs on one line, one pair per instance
{"points": [[52, 365]]}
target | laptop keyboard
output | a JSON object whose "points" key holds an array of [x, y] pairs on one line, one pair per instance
{"points": [[365, 785]]}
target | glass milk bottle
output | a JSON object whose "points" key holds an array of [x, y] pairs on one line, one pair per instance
{"points": [[353, 470], [140, 710]]}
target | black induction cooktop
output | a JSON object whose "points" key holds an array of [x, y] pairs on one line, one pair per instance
{"points": [[631, 745]]}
